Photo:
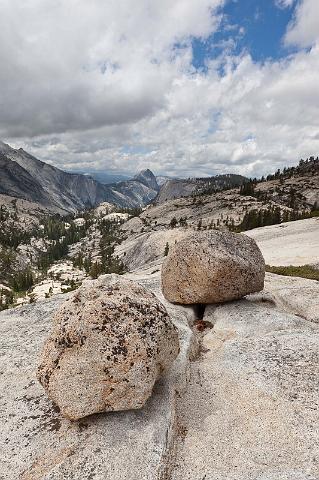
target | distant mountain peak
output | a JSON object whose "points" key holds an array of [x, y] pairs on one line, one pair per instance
{"points": [[146, 171], [4, 147], [148, 178]]}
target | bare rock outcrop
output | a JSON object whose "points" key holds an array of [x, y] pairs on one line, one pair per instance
{"points": [[294, 295], [252, 403], [212, 267], [290, 243], [147, 250], [111, 341]]}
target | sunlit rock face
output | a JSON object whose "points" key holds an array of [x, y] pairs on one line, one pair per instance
{"points": [[212, 267], [111, 341]]}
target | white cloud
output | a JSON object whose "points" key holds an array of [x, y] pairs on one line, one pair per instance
{"points": [[86, 64], [304, 30], [284, 3], [149, 108]]}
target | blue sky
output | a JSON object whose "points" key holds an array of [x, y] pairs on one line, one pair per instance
{"points": [[255, 26]]}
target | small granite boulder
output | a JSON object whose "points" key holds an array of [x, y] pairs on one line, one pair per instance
{"points": [[111, 340], [212, 267]]}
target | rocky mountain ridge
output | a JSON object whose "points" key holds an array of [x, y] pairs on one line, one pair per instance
{"points": [[284, 197], [27, 187], [177, 188], [26, 249], [24, 176]]}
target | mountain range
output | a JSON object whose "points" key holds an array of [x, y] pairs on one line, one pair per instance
{"points": [[24, 176]]}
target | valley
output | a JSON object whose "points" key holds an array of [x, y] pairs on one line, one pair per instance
{"points": [[42, 255], [43, 252]]}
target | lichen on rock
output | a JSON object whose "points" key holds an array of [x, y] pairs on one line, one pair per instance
{"points": [[111, 340]]}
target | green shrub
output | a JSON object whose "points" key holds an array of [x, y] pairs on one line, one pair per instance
{"points": [[304, 271]]}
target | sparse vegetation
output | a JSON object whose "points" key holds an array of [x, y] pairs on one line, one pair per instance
{"points": [[107, 262], [248, 188], [270, 216], [309, 166], [28, 250], [218, 183], [11, 233], [51, 243], [132, 212], [304, 271], [22, 281]]}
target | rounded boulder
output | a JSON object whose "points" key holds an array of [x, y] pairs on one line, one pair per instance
{"points": [[212, 267], [111, 340]]}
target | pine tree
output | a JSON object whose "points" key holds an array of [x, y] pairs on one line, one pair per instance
{"points": [[95, 270], [173, 222]]}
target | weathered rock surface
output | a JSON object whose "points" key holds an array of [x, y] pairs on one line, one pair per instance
{"points": [[212, 267], [246, 408], [295, 295], [38, 443], [292, 243], [207, 208], [251, 409], [216, 208], [111, 341], [147, 249]]}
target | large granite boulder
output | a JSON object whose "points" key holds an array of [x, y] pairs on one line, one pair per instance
{"points": [[212, 267], [111, 341]]}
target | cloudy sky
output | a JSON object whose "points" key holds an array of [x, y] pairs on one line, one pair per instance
{"points": [[184, 87]]}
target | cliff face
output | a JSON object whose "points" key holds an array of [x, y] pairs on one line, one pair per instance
{"points": [[147, 178], [17, 182], [24, 176]]}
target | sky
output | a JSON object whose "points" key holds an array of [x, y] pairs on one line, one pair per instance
{"points": [[183, 87]]}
